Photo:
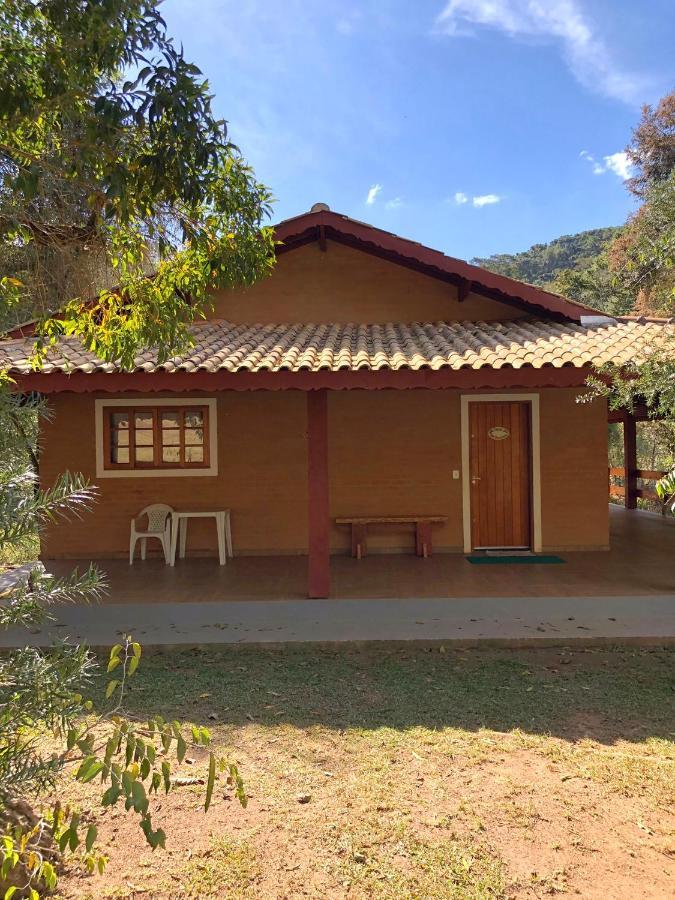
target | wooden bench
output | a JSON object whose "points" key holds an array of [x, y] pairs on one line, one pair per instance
{"points": [[360, 525]]}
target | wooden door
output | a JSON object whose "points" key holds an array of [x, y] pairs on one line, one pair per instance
{"points": [[499, 471]]}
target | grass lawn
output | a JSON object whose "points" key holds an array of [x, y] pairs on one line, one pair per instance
{"points": [[461, 774]]}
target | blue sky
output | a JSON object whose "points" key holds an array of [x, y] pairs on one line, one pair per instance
{"points": [[474, 126]]}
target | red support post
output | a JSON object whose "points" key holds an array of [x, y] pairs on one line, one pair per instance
{"points": [[318, 576], [630, 461]]}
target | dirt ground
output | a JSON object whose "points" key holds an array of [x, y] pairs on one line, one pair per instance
{"points": [[408, 773]]}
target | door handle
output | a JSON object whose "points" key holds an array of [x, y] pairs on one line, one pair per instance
{"points": [[475, 479]]}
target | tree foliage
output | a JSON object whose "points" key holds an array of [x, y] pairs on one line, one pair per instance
{"points": [[644, 256], [113, 168], [652, 149], [123, 205]]}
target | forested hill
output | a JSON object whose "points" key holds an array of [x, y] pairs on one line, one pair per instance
{"points": [[542, 263]]}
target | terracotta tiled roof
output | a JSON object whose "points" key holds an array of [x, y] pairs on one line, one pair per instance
{"points": [[223, 346]]}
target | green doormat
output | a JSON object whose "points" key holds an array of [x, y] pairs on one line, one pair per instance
{"points": [[511, 560]]}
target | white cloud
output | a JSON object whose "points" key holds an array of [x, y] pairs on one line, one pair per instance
{"points": [[598, 168], [393, 204], [563, 21], [460, 199], [486, 200], [618, 163], [372, 194]]}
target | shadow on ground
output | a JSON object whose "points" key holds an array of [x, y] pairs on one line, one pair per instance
{"points": [[606, 695]]}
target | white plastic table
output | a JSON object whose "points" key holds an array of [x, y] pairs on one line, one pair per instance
{"points": [[179, 523]]}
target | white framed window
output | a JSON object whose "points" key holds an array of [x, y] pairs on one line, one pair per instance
{"points": [[167, 437]]}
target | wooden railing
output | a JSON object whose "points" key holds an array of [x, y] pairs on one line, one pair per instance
{"points": [[645, 493]]}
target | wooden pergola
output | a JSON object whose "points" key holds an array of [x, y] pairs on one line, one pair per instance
{"points": [[631, 490]]}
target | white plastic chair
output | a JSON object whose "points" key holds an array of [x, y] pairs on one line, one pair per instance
{"points": [[159, 526]]}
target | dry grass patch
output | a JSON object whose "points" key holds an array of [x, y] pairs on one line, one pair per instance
{"points": [[474, 775]]}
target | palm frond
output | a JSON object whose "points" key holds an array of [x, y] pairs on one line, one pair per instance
{"points": [[23, 509]]}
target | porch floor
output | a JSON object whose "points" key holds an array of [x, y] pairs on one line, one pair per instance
{"points": [[626, 595], [640, 562]]}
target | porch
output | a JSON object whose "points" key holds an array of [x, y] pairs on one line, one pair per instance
{"points": [[624, 595], [639, 563]]}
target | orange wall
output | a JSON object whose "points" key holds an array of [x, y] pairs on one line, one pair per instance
{"points": [[261, 477], [390, 453], [348, 285], [575, 510]]}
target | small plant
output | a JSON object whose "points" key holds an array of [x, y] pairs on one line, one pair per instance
{"points": [[42, 695], [131, 759]]}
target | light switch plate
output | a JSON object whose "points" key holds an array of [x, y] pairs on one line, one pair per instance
{"points": [[455, 474]]}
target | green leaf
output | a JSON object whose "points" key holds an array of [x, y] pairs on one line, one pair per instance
{"points": [[85, 766], [110, 690], [131, 746], [86, 744], [74, 841], [9, 893], [111, 796], [181, 747], [92, 772], [64, 840], [92, 833], [139, 797], [133, 665], [166, 775], [167, 737], [210, 781]]}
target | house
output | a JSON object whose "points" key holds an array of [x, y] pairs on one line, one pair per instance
{"points": [[368, 376]]}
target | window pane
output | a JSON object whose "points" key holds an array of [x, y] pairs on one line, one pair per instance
{"points": [[171, 454], [120, 420], [194, 454], [194, 418], [170, 436], [194, 436], [144, 437], [144, 454], [143, 419], [170, 420], [121, 438], [120, 455]]}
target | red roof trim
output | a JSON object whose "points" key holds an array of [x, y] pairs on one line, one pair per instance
{"points": [[299, 230], [303, 229], [403, 379]]}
